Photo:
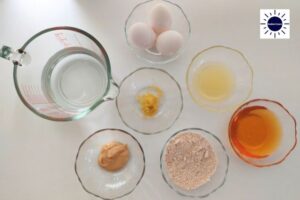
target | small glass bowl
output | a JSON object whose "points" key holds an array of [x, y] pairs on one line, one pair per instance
{"points": [[288, 138], [181, 24], [101, 183], [217, 180], [236, 63], [170, 107]]}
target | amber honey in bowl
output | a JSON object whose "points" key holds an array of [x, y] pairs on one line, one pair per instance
{"points": [[255, 131]]}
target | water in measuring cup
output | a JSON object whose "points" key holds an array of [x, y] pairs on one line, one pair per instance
{"points": [[75, 79]]}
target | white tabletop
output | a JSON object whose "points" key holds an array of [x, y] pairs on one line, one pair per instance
{"points": [[37, 156]]}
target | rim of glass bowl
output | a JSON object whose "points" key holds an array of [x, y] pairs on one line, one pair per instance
{"points": [[99, 132], [181, 100], [284, 109], [150, 61], [225, 153], [210, 108], [107, 62]]}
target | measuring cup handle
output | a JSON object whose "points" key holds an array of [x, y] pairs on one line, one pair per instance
{"points": [[113, 92], [18, 57]]}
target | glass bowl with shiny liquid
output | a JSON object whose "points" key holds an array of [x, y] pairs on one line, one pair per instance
{"points": [[262, 132], [219, 78]]}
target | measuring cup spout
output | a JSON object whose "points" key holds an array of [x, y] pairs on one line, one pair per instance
{"points": [[18, 58], [113, 91]]}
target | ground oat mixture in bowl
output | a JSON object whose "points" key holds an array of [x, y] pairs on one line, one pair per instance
{"points": [[194, 163]]}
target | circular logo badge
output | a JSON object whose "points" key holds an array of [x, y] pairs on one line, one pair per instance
{"points": [[275, 23]]}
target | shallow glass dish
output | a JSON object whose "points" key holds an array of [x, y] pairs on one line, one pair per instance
{"points": [[170, 106], [236, 63], [101, 183], [181, 24], [217, 180], [288, 130]]}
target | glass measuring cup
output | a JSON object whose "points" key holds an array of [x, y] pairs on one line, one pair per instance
{"points": [[62, 73]]}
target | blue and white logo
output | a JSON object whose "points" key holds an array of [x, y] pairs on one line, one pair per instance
{"points": [[274, 24]]}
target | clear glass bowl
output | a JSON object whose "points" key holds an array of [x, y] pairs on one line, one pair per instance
{"points": [[217, 180], [101, 183], [180, 24], [170, 107], [239, 67], [288, 138]]}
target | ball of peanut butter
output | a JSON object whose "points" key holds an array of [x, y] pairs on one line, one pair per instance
{"points": [[113, 156]]}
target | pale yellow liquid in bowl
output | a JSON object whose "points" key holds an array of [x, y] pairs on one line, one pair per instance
{"points": [[213, 81]]}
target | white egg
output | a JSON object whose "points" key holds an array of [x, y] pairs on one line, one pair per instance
{"points": [[169, 42], [141, 35], [160, 18]]}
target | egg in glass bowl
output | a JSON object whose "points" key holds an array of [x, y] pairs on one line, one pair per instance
{"points": [[157, 31]]}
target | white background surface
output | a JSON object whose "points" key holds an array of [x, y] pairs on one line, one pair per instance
{"points": [[37, 156]]}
